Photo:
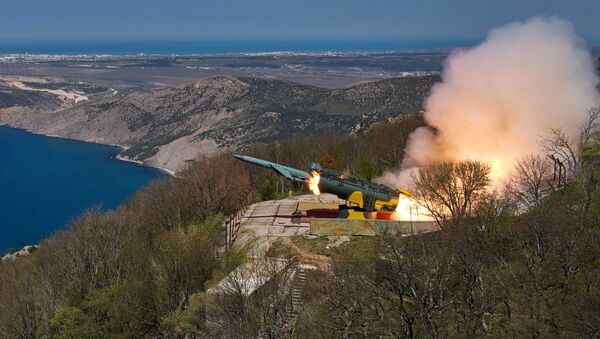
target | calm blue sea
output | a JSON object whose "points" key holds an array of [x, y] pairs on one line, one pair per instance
{"points": [[45, 182], [221, 47]]}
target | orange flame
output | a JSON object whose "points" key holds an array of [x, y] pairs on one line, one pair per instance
{"points": [[409, 210], [313, 182]]}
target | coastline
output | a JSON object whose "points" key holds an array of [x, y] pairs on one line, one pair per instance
{"points": [[117, 156], [141, 163], [311, 52]]}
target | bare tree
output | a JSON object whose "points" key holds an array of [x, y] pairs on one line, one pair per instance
{"points": [[562, 149], [348, 313], [590, 136], [253, 301], [449, 190], [388, 140], [591, 129], [216, 184], [529, 182], [19, 316], [566, 150], [386, 292]]}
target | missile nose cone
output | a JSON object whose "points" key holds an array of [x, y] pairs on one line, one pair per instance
{"points": [[248, 159], [241, 157]]}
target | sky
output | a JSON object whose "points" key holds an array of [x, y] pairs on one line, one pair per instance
{"points": [[56, 20]]}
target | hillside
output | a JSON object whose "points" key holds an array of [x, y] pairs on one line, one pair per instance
{"points": [[156, 267], [169, 126], [11, 97]]}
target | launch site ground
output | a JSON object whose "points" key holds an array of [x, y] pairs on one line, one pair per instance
{"points": [[272, 218], [266, 222], [273, 240]]}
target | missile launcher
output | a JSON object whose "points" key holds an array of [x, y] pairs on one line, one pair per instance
{"points": [[366, 200]]}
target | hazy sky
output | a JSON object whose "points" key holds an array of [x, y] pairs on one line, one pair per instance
{"points": [[279, 19]]}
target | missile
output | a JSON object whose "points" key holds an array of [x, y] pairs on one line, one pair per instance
{"points": [[288, 172], [367, 195]]}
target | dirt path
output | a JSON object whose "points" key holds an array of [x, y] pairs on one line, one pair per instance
{"points": [[321, 261]]}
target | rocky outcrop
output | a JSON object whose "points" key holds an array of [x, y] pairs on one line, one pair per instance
{"points": [[25, 251]]}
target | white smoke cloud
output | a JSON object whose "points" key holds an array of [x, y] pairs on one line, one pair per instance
{"points": [[497, 99]]}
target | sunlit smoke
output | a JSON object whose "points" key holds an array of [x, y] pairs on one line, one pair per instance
{"points": [[498, 99]]}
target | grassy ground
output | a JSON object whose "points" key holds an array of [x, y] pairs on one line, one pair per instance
{"points": [[326, 246]]}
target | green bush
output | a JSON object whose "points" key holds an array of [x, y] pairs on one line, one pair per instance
{"points": [[72, 323]]}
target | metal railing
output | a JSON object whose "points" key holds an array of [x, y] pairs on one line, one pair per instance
{"points": [[232, 222]]}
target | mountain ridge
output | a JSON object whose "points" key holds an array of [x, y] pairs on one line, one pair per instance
{"points": [[169, 126]]}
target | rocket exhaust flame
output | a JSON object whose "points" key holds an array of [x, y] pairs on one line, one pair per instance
{"points": [[409, 210], [313, 182]]}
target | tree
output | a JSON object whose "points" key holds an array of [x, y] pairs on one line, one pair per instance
{"points": [[530, 182], [70, 322], [365, 167], [590, 131], [386, 141], [214, 185], [450, 190], [252, 301], [19, 314], [567, 149]]}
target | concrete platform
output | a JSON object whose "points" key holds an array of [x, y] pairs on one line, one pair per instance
{"points": [[264, 222], [273, 218]]}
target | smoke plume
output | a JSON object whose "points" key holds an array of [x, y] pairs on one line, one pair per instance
{"points": [[498, 99]]}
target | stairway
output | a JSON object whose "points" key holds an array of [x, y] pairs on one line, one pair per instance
{"points": [[298, 288], [295, 304]]}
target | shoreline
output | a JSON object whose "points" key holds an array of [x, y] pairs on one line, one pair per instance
{"points": [[141, 163], [150, 55], [117, 156]]}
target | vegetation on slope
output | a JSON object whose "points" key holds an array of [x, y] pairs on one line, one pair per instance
{"points": [[143, 270], [133, 271], [14, 97]]}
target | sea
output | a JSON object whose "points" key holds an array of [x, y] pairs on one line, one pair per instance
{"points": [[45, 182]]}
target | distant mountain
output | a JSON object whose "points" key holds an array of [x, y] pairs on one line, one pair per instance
{"points": [[169, 126]]}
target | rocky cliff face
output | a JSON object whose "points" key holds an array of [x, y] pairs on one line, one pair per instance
{"points": [[170, 126]]}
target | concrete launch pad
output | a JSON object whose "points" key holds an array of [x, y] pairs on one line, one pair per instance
{"points": [[273, 218]]}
